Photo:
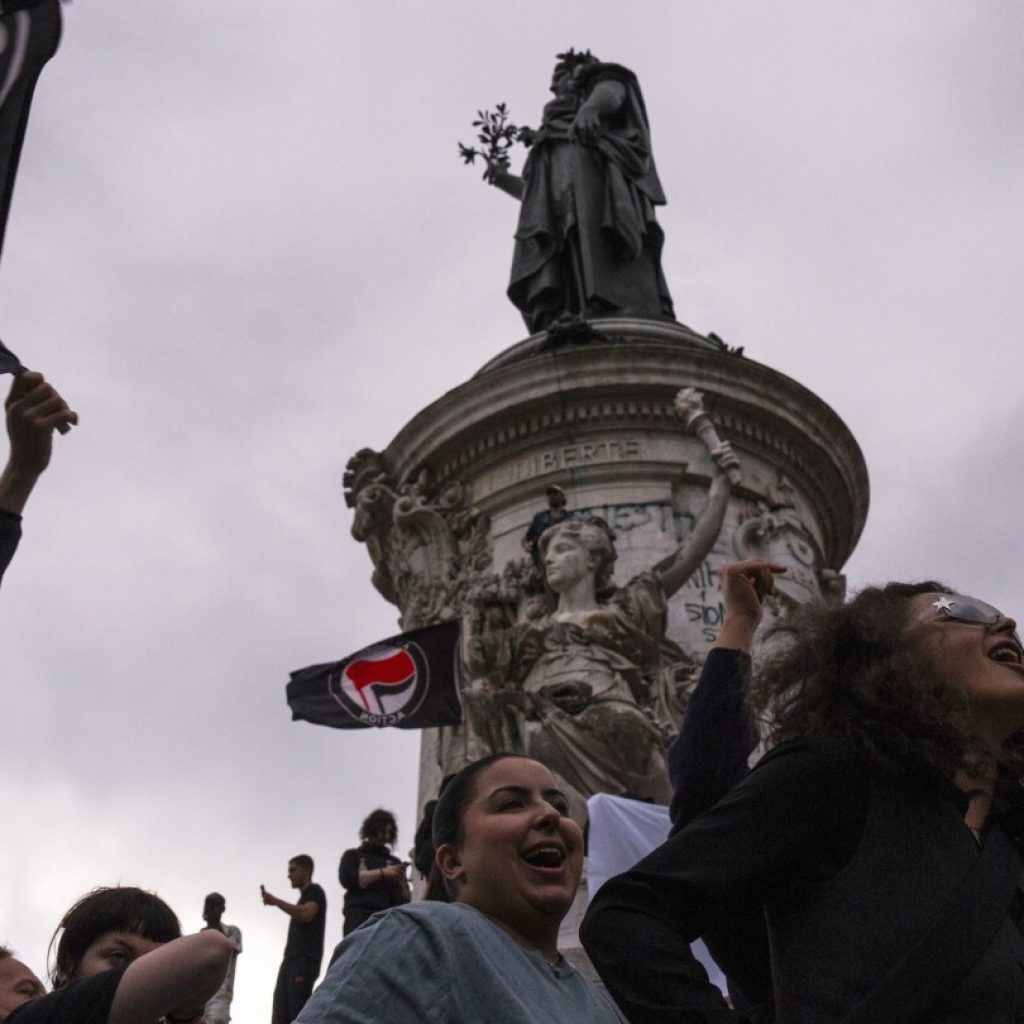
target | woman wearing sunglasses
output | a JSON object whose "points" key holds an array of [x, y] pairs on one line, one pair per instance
{"points": [[880, 834]]}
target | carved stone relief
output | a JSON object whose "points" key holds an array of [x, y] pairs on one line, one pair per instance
{"points": [[427, 544]]}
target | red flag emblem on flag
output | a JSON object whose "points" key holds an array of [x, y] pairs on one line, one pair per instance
{"points": [[378, 684]]}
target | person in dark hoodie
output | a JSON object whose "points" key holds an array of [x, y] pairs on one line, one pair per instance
{"points": [[371, 875]]}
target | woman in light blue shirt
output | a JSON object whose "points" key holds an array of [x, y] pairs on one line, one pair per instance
{"points": [[511, 858]]}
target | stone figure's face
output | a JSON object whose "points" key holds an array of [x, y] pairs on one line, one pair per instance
{"points": [[985, 659], [566, 561], [17, 985], [520, 856], [562, 82], [113, 949]]}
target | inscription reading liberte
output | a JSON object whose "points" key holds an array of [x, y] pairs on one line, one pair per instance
{"points": [[567, 456]]}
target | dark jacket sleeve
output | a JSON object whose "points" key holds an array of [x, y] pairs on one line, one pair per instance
{"points": [[348, 870], [797, 818], [718, 735]]}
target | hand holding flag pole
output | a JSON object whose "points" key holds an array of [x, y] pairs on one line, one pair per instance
{"points": [[34, 408], [10, 363]]}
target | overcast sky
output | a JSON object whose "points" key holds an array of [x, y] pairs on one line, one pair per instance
{"points": [[243, 246]]}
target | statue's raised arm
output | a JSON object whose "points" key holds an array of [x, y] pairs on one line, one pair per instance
{"points": [[675, 570]]}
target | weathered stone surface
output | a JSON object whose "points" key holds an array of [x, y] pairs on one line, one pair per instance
{"points": [[443, 508]]}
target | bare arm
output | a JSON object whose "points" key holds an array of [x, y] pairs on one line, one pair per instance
{"points": [[176, 980], [303, 912], [500, 177], [34, 410], [745, 586]]}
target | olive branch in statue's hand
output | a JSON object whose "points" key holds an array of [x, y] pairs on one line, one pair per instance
{"points": [[498, 134]]}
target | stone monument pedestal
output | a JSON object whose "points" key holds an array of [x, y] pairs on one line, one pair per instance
{"points": [[449, 499]]}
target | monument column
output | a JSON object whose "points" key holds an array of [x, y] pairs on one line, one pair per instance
{"points": [[443, 508]]}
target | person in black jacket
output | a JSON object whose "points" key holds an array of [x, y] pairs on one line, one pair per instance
{"points": [[880, 834], [371, 875]]}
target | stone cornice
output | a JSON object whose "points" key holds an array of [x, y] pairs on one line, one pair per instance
{"points": [[631, 385]]}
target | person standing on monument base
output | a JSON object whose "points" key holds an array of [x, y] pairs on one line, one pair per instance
{"points": [[218, 1009], [511, 858], [372, 876], [880, 837], [304, 950], [554, 513]]}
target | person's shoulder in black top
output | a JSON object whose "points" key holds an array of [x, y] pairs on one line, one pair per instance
{"points": [[81, 1002]]}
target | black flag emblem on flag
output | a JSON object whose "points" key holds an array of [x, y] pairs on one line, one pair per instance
{"points": [[410, 681]]}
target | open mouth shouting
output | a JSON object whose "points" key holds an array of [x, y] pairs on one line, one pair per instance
{"points": [[546, 857], [1007, 652]]}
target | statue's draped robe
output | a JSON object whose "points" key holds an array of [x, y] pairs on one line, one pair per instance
{"points": [[587, 241], [591, 688]]}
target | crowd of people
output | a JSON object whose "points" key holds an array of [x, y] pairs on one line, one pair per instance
{"points": [[866, 869]]}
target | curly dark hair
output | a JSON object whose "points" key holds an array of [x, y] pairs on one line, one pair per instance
{"points": [[853, 672], [379, 827]]}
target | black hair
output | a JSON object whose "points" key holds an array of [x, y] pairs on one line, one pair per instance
{"points": [[379, 826], [109, 909], [455, 798], [216, 897], [303, 860]]}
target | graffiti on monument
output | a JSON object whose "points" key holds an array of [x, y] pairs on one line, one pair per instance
{"points": [[702, 604], [775, 531], [589, 683]]}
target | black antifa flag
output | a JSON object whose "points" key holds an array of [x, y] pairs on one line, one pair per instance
{"points": [[9, 362], [29, 36], [410, 681]]}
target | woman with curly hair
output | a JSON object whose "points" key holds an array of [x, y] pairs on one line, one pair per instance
{"points": [[880, 833], [371, 875]]}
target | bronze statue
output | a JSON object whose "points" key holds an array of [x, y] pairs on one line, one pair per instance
{"points": [[588, 244]]}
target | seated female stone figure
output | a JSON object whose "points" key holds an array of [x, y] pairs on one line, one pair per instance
{"points": [[582, 683]]}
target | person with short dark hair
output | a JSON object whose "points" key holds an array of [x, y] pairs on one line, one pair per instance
{"points": [[511, 858], [372, 876], [121, 959], [880, 834], [554, 513], [304, 950], [218, 1008], [17, 984], [34, 411]]}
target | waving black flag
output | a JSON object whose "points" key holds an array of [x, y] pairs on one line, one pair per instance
{"points": [[9, 362], [410, 681], [29, 36]]}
